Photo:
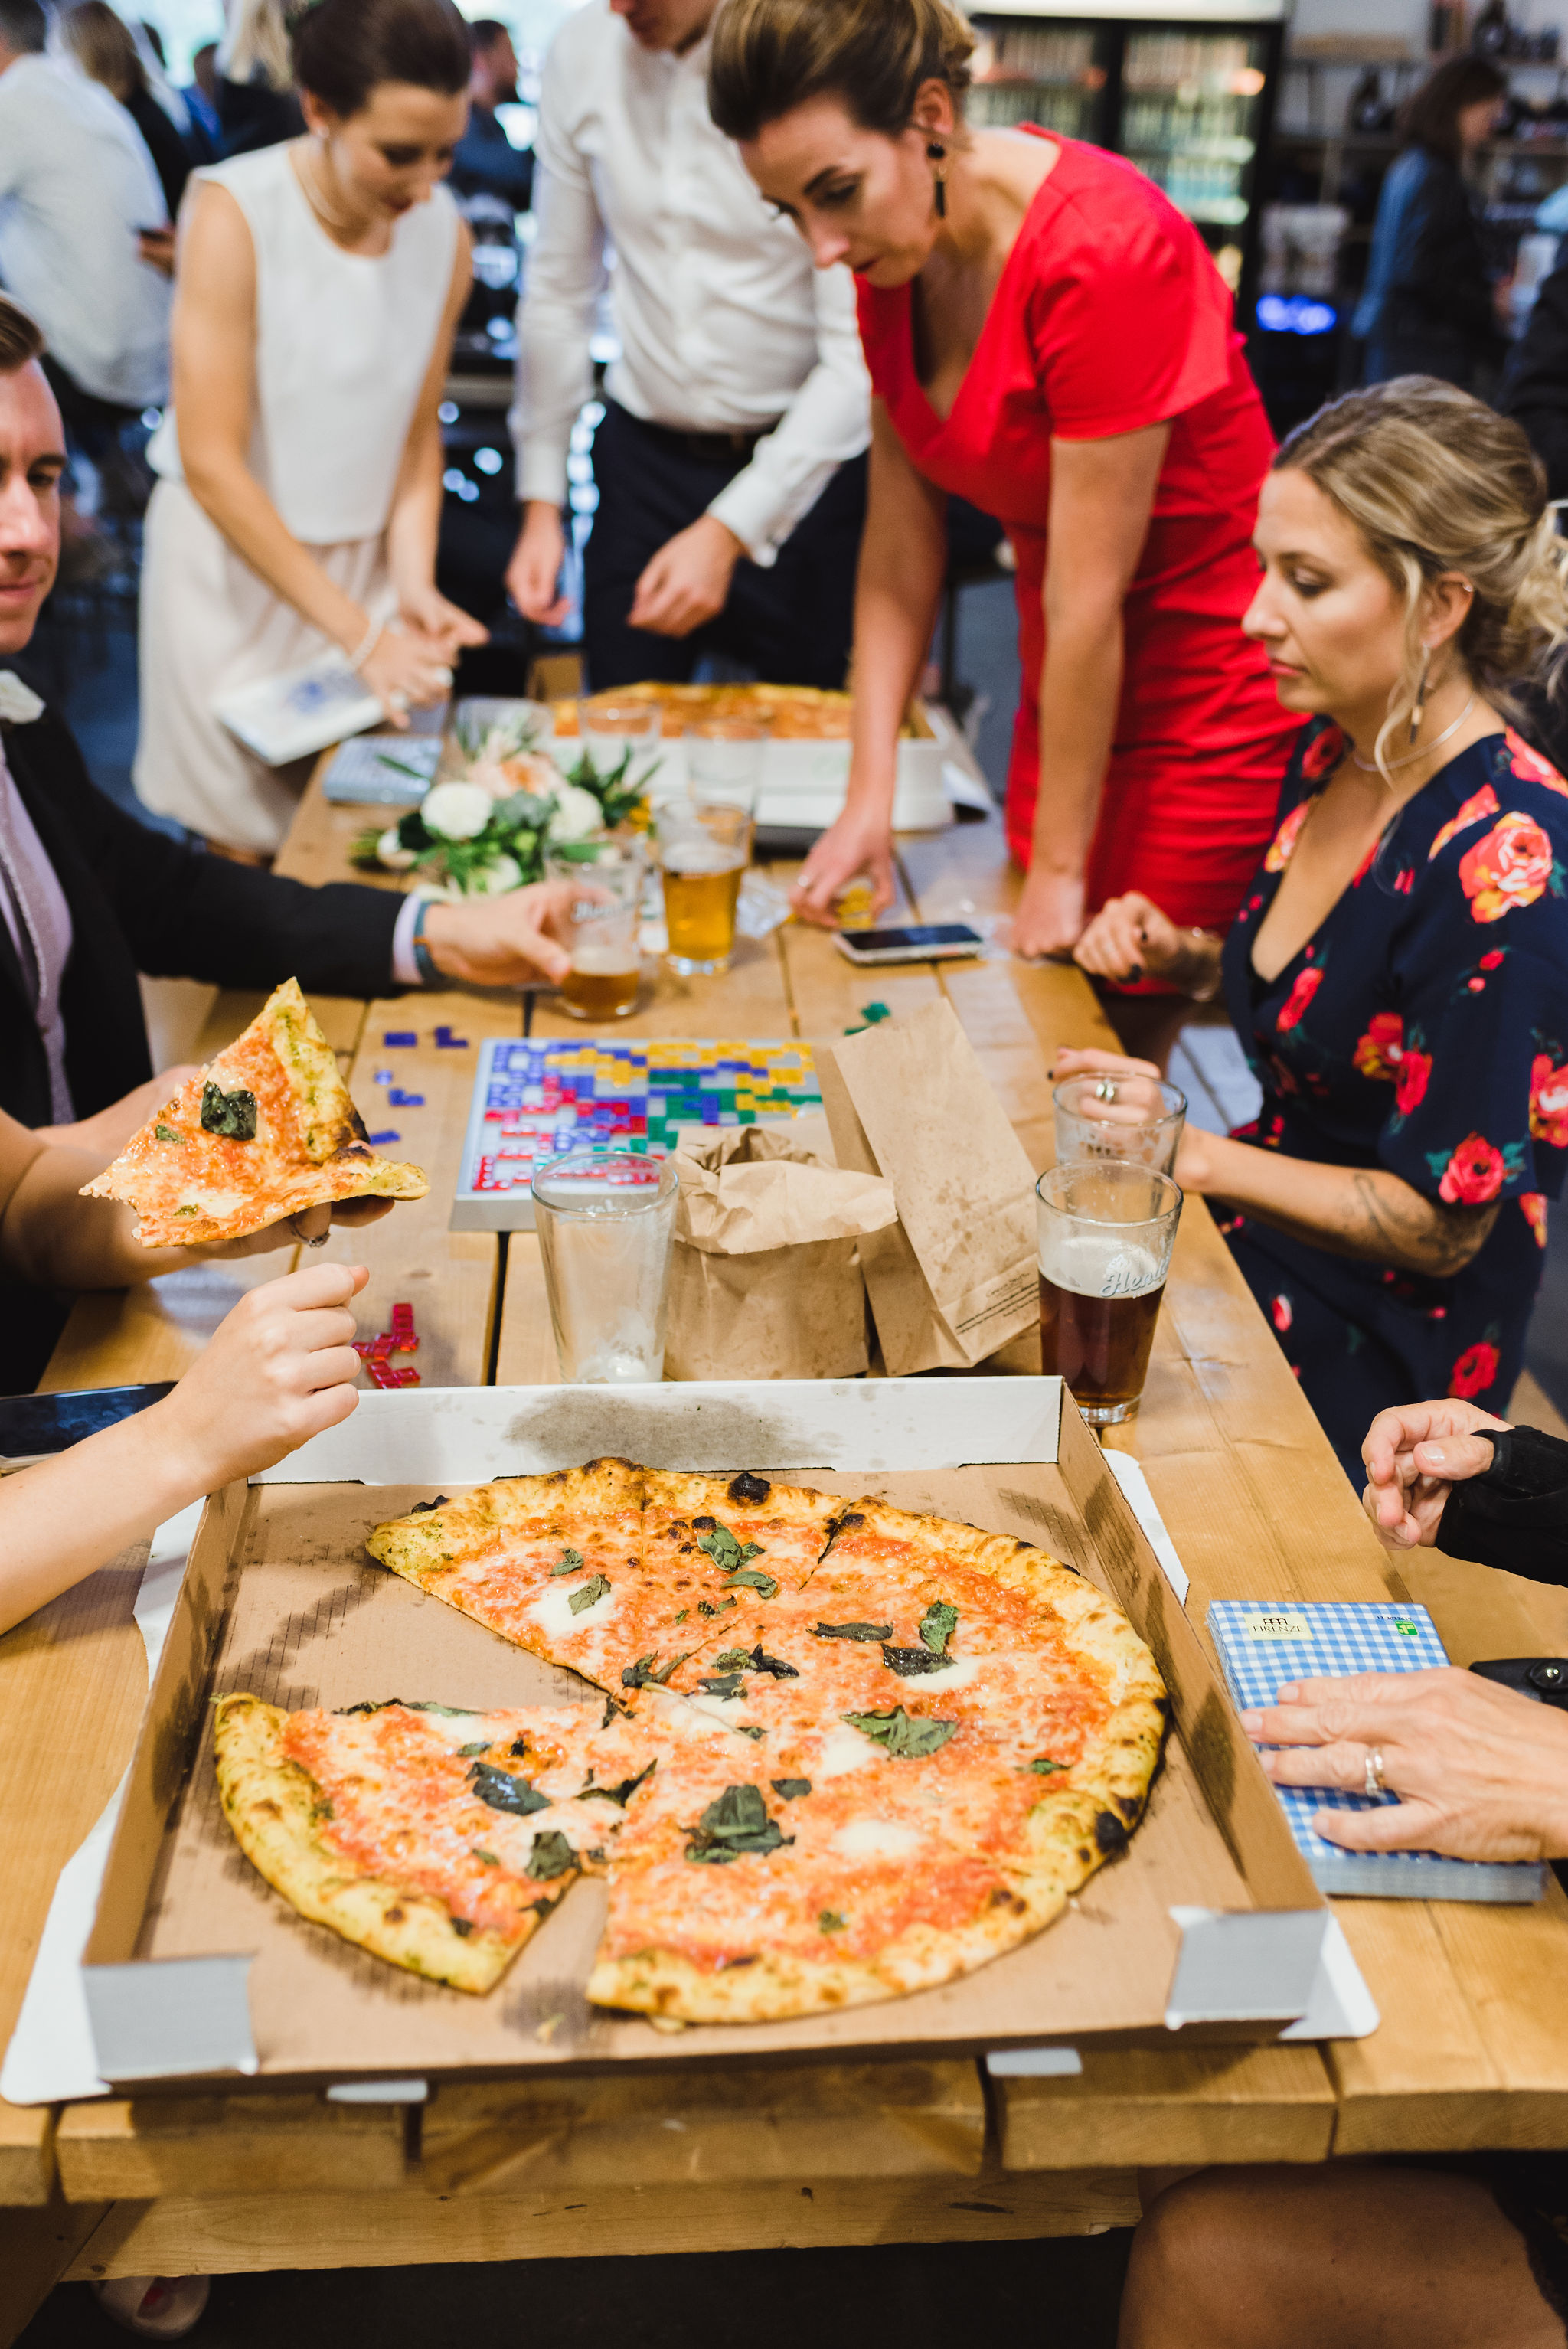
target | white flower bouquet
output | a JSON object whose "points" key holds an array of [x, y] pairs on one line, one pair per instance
{"points": [[485, 830]]}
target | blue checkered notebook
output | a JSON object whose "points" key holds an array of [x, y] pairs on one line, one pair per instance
{"points": [[1263, 1643]]}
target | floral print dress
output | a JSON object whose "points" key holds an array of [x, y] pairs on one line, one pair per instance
{"points": [[1424, 1030]]}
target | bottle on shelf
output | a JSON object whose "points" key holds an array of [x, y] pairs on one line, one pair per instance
{"points": [[1494, 35]]}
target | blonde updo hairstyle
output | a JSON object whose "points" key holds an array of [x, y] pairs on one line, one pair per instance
{"points": [[768, 57], [1435, 482]]}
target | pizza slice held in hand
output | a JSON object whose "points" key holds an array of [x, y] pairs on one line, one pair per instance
{"points": [[264, 1131]]}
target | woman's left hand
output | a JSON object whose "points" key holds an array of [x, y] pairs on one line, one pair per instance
{"points": [[1195, 1152], [1049, 918], [446, 626], [1480, 1771]]}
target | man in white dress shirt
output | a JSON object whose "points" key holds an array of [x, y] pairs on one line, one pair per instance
{"points": [[77, 185], [729, 464]]}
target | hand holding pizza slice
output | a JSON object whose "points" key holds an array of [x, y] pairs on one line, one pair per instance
{"points": [[264, 1134]]}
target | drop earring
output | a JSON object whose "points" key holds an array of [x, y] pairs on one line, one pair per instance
{"points": [[938, 155], [1418, 709]]}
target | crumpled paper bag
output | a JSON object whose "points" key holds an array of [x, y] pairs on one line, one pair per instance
{"points": [[765, 1279], [957, 1276]]}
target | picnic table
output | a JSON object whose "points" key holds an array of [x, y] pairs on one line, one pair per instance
{"points": [[1472, 2049]]}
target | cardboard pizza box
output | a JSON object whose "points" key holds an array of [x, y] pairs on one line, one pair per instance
{"points": [[1209, 1921]]}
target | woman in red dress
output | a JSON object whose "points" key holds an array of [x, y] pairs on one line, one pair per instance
{"points": [[1049, 338]]}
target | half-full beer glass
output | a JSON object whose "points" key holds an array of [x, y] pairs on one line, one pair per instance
{"points": [[704, 846], [606, 908], [1106, 1228]]}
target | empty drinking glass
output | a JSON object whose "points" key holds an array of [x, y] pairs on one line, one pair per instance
{"points": [[605, 1221], [724, 759], [609, 725], [1139, 1118]]}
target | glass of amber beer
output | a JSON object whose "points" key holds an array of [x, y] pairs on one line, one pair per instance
{"points": [[606, 908], [704, 846], [1106, 1228]]}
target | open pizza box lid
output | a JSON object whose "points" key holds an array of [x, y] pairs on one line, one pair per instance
{"points": [[1207, 1924]]}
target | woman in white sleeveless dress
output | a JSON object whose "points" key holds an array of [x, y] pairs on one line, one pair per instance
{"points": [[300, 465]]}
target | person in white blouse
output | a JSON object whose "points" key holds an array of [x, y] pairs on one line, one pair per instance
{"points": [[300, 467], [729, 463]]}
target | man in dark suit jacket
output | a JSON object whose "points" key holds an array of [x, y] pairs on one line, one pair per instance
{"points": [[88, 896]]}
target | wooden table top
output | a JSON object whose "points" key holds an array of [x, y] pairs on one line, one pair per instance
{"points": [[1473, 2047]]}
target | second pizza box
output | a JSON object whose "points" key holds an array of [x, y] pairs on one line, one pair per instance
{"points": [[1208, 1923]]}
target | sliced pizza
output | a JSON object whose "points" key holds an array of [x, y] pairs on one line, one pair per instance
{"points": [[265, 1131]]}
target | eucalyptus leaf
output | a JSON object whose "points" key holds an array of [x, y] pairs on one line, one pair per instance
{"points": [[906, 1737], [551, 1856], [937, 1625], [504, 1791], [589, 1595], [869, 1632], [232, 1115]]}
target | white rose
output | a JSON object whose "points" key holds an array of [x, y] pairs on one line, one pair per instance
{"points": [[390, 852], [576, 813], [456, 810], [502, 873]]}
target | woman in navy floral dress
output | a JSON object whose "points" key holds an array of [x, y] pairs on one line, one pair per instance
{"points": [[1399, 971]]}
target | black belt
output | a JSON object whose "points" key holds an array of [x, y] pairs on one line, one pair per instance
{"points": [[735, 449]]}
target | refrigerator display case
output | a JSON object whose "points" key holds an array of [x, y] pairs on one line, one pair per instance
{"points": [[1185, 92]]}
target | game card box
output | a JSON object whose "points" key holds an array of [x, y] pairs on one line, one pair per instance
{"points": [[536, 1098]]}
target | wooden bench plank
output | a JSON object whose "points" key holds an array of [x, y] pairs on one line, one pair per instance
{"points": [[243, 2234]]}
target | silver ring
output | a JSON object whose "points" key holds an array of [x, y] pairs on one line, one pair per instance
{"points": [[1106, 1090], [1375, 1785], [397, 700], [320, 1241]]}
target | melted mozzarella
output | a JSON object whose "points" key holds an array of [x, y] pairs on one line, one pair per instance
{"points": [[955, 1671], [843, 1749], [553, 1615], [216, 1204], [685, 1717], [876, 1839]]}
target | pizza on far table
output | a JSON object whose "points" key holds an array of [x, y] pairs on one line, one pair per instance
{"points": [[266, 1131], [841, 1751]]}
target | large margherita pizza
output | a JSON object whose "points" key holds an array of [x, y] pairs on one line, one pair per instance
{"points": [[264, 1131], [839, 1751]]}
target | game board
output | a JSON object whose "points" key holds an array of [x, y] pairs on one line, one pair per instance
{"points": [[537, 1098]]}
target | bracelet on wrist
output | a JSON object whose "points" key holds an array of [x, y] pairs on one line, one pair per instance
{"points": [[424, 960], [367, 645]]}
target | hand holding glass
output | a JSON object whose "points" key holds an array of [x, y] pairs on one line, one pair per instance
{"points": [[1132, 1117], [602, 922]]}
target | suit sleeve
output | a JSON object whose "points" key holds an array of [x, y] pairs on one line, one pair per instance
{"points": [[1515, 1514], [186, 915]]}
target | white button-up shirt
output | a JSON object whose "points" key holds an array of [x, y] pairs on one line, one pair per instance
{"points": [[76, 184], [723, 323]]}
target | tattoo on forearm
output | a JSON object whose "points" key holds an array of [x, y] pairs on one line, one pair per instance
{"points": [[1396, 1225]]}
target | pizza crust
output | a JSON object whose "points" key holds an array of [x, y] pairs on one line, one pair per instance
{"points": [[271, 1804]]}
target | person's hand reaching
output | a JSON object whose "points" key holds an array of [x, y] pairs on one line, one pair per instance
{"points": [[687, 581], [405, 669], [1415, 1454], [858, 844], [444, 626], [1049, 918], [533, 574], [513, 940], [280, 1368]]}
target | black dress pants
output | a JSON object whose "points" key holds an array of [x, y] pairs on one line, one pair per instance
{"points": [[792, 624]]}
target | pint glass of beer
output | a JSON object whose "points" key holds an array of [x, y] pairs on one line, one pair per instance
{"points": [[705, 846], [606, 908], [1106, 1228]]}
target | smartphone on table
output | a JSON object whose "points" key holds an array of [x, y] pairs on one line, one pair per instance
{"points": [[918, 942]]}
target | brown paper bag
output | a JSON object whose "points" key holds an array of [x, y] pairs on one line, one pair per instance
{"points": [[955, 1278], [765, 1281]]}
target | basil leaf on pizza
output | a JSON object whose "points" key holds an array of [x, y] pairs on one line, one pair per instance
{"points": [[589, 1595], [551, 1856], [869, 1632], [907, 1736], [503, 1792], [937, 1625], [910, 1663], [735, 1825], [233, 1115]]}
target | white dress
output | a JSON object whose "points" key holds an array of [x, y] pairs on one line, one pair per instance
{"points": [[342, 345]]}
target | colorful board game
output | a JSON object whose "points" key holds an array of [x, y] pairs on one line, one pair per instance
{"points": [[536, 1098]]}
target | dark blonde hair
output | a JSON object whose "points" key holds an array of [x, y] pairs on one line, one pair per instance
{"points": [[21, 339], [1435, 482], [770, 57], [103, 47]]}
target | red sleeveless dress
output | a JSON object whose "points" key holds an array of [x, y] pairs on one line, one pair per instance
{"points": [[1108, 317]]}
